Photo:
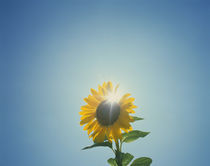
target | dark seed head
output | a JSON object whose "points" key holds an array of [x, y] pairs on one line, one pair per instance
{"points": [[107, 112]]}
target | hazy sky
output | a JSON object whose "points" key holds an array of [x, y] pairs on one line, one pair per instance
{"points": [[55, 51]]}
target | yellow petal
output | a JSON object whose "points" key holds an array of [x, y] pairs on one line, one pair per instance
{"points": [[108, 134], [86, 119], [87, 107], [116, 133], [124, 117], [129, 100], [104, 85], [124, 123], [131, 119], [126, 106], [96, 131], [127, 130], [130, 111], [100, 137], [109, 86], [133, 106], [89, 115], [92, 101], [89, 112], [92, 127], [97, 95], [115, 91], [124, 97], [102, 90], [88, 124]]}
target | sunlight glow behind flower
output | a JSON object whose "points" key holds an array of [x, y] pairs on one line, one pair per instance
{"points": [[113, 97]]}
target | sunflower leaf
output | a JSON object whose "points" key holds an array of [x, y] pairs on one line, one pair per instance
{"points": [[107, 144], [112, 162], [143, 161], [127, 158], [133, 135], [135, 118]]}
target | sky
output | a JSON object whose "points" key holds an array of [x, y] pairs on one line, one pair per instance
{"points": [[53, 52]]}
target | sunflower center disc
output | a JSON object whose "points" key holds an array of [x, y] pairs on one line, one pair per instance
{"points": [[107, 112]]}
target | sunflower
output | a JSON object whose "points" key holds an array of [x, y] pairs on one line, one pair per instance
{"points": [[106, 114]]}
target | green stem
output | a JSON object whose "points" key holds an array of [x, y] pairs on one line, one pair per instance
{"points": [[120, 146], [117, 145], [118, 154]]}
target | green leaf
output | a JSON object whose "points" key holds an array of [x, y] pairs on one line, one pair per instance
{"points": [[112, 162], [133, 135], [135, 118], [127, 158], [143, 161], [107, 144]]}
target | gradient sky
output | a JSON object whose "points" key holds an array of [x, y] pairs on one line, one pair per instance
{"points": [[55, 51]]}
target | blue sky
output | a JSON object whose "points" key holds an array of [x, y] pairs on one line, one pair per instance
{"points": [[53, 52]]}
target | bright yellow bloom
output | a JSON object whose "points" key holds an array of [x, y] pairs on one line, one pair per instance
{"points": [[106, 115]]}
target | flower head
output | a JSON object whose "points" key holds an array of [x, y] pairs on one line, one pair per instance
{"points": [[106, 114]]}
